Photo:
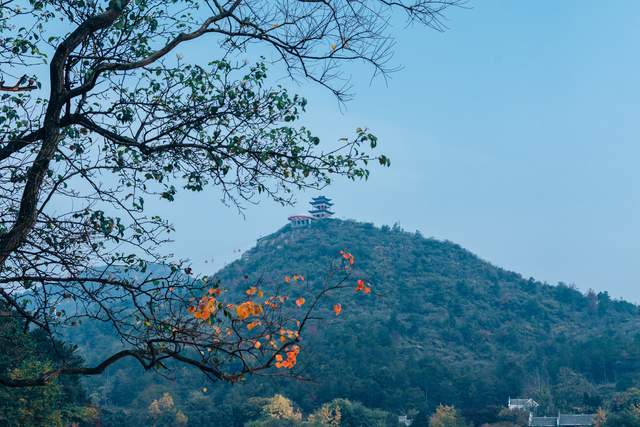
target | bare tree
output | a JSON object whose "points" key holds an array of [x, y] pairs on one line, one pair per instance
{"points": [[126, 118]]}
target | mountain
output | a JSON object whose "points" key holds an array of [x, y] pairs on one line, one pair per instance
{"points": [[441, 326]]}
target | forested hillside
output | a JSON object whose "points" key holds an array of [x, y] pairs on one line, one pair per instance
{"points": [[441, 326], [446, 326]]}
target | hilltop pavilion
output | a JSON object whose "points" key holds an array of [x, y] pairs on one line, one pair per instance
{"points": [[320, 207]]}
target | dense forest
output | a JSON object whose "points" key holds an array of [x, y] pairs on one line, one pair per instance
{"points": [[441, 327]]}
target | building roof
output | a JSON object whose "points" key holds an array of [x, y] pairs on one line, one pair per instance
{"points": [[300, 217], [523, 402], [575, 419], [572, 420], [321, 200], [543, 421], [320, 211]]}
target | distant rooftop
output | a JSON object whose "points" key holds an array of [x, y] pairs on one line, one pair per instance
{"points": [[543, 421], [523, 402], [300, 217], [575, 419], [528, 404]]}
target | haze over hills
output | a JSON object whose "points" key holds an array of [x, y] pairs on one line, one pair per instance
{"points": [[441, 326]]}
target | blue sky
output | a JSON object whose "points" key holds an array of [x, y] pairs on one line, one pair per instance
{"points": [[515, 134]]}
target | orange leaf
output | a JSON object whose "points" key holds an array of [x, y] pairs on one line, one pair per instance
{"points": [[337, 309], [252, 325], [300, 302], [242, 311]]}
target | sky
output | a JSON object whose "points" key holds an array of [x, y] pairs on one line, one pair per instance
{"points": [[514, 134]]}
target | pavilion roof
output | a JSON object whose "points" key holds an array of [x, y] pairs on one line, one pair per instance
{"points": [[315, 211], [321, 200]]}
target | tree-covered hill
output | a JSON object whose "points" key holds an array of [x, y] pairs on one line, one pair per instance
{"points": [[448, 323], [441, 326]]}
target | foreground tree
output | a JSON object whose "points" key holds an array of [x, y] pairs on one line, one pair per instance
{"points": [[101, 111]]}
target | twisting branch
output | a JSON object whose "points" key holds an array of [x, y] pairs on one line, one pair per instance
{"points": [[49, 376], [20, 86], [255, 332]]}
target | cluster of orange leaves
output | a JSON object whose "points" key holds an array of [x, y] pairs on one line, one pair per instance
{"points": [[254, 291], [206, 306], [253, 324], [348, 257], [284, 335], [248, 308], [272, 302], [294, 278], [363, 287], [290, 361]]}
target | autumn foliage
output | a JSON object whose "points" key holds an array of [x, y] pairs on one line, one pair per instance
{"points": [[265, 329]]}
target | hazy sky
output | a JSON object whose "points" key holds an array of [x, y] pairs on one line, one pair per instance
{"points": [[515, 134]]}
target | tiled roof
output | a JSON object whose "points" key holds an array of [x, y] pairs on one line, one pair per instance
{"points": [[315, 211], [572, 420], [575, 420], [300, 217], [321, 199], [543, 421], [522, 402]]}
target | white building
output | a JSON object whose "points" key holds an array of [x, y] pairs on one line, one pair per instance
{"points": [[528, 405], [298, 220]]}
